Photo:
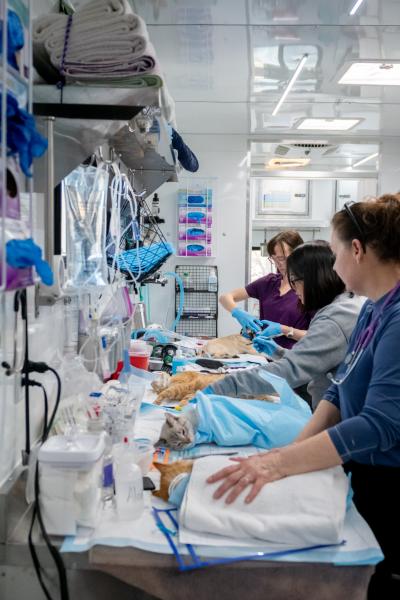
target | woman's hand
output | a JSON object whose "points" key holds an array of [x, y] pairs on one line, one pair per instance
{"points": [[246, 320], [265, 345], [271, 328], [256, 470]]}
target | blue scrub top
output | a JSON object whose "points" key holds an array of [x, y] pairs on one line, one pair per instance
{"points": [[369, 399]]}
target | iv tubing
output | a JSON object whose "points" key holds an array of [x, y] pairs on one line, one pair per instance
{"points": [[181, 298]]}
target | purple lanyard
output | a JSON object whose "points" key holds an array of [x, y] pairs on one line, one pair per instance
{"points": [[369, 332]]}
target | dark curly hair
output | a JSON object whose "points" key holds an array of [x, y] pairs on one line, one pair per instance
{"points": [[378, 223], [312, 262]]}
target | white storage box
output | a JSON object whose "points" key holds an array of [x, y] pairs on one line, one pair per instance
{"points": [[70, 480]]}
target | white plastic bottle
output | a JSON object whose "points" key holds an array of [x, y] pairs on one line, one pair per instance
{"points": [[212, 281], [128, 486]]}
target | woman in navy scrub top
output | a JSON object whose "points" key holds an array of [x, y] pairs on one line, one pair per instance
{"points": [[357, 422], [280, 311]]}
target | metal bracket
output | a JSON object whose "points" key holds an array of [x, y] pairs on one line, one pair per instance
{"points": [[42, 299]]}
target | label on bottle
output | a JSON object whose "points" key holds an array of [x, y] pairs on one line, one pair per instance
{"points": [[108, 475]]}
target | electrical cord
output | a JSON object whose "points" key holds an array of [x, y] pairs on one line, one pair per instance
{"points": [[40, 367], [33, 383]]}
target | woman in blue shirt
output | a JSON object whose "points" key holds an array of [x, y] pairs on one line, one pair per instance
{"points": [[357, 423]]}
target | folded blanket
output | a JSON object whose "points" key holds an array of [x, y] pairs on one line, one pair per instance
{"points": [[298, 511], [126, 54]]}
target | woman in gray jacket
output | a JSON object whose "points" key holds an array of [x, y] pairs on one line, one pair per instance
{"points": [[323, 348]]}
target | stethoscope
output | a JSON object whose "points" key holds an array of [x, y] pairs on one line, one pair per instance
{"points": [[18, 358], [364, 339]]}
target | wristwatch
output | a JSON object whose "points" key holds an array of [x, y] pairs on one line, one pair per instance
{"points": [[290, 333]]}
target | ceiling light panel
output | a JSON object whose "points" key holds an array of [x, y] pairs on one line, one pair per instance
{"points": [[370, 72], [313, 124]]}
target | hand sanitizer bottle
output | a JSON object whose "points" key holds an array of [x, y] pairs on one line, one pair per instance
{"points": [[212, 281], [128, 486]]}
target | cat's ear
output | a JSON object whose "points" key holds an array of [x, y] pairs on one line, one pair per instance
{"points": [[171, 419]]}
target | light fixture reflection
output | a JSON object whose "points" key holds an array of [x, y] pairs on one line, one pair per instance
{"points": [[356, 7], [364, 160], [291, 83]]}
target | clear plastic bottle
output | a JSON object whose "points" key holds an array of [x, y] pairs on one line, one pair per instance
{"points": [[212, 281], [128, 486], [186, 280], [155, 206]]}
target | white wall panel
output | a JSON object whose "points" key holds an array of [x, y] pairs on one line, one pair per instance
{"points": [[219, 157]]}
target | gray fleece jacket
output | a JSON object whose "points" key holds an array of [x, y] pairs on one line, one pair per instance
{"points": [[318, 353]]}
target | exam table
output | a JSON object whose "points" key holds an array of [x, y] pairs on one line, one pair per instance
{"points": [[133, 573]]}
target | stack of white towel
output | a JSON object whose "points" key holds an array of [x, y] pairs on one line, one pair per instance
{"points": [[107, 44]]}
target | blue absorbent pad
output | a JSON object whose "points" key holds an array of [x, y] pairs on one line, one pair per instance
{"points": [[236, 422], [361, 547]]}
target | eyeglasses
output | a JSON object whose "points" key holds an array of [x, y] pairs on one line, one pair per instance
{"points": [[294, 280], [354, 220], [280, 260]]}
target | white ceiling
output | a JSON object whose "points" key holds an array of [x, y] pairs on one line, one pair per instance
{"points": [[228, 61]]}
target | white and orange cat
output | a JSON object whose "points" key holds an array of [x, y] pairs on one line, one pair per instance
{"points": [[182, 387]]}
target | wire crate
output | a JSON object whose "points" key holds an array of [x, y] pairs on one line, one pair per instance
{"points": [[195, 277], [200, 308], [195, 327], [201, 304]]}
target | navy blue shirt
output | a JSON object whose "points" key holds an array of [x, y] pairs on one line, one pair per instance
{"points": [[369, 399]]}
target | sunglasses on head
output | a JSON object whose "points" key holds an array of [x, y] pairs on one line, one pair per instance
{"points": [[354, 220]]}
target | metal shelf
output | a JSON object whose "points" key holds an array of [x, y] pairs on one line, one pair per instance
{"points": [[97, 112]]}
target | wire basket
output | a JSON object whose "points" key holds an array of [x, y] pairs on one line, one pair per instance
{"points": [[200, 308], [196, 327], [143, 248], [196, 277], [199, 304]]}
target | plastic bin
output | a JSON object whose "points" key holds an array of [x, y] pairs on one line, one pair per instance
{"points": [[70, 479]]}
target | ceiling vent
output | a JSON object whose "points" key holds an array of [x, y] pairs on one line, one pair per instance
{"points": [[310, 150]]}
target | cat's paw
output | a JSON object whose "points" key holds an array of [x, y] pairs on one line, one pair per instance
{"points": [[162, 382], [164, 396]]}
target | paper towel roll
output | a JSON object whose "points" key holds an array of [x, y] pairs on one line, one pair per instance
{"points": [[56, 289]]}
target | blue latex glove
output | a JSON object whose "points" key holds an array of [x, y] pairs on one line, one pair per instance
{"points": [[15, 37], [25, 253], [246, 320], [271, 329], [186, 157], [265, 345], [22, 137]]}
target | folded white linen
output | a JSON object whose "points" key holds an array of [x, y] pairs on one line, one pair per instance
{"points": [[108, 45], [126, 35], [298, 511]]}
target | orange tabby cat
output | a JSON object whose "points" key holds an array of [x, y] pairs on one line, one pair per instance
{"points": [[183, 386], [168, 474], [229, 346]]}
